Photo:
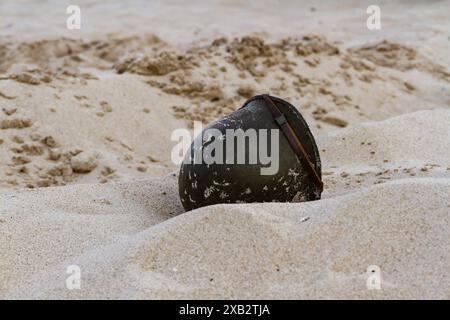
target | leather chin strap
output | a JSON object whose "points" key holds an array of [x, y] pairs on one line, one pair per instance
{"points": [[295, 143]]}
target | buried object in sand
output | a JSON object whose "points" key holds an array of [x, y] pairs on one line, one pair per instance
{"points": [[262, 152]]}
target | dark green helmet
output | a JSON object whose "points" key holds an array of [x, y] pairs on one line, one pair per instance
{"points": [[272, 157]]}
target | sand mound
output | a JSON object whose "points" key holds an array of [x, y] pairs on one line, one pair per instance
{"points": [[311, 250], [423, 135], [370, 153], [131, 240]]}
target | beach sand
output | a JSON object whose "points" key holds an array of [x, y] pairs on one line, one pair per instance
{"points": [[86, 176]]}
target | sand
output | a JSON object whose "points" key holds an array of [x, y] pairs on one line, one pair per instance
{"points": [[86, 176]]}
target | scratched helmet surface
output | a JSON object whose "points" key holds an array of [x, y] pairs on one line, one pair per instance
{"points": [[202, 183]]}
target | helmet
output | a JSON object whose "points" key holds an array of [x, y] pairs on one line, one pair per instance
{"points": [[262, 152]]}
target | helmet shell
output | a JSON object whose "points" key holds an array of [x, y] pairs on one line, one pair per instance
{"points": [[202, 184]]}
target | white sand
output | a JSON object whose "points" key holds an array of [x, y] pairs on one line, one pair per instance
{"points": [[86, 177]]}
